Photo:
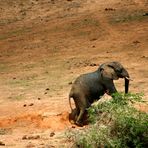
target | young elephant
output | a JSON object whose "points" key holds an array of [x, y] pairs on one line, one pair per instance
{"points": [[91, 86]]}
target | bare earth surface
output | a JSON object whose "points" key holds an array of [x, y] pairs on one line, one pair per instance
{"points": [[46, 44]]}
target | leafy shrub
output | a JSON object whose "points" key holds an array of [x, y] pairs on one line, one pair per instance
{"points": [[114, 124]]}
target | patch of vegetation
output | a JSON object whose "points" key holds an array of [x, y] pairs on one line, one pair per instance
{"points": [[20, 83], [73, 5], [79, 25], [4, 131], [84, 23], [114, 123], [8, 52], [8, 21], [29, 67], [17, 97], [25, 81], [14, 33], [125, 16], [3, 67]]}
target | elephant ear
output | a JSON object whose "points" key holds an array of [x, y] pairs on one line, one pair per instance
{"points": [[108, 71]]}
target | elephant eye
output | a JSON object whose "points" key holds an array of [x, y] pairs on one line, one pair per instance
{"points": [[119, 70]]}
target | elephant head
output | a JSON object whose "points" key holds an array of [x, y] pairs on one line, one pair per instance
{"points": [[114, 71]]}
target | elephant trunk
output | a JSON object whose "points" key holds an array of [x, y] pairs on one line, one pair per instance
{"points": [[126, 77], [126, 84]]}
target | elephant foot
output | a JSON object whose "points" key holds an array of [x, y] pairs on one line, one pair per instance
{"points": [[72, 122], [78, 123], [73, 115]]}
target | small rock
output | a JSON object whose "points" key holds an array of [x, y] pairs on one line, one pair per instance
{"points": [[93, 39], [31, 104], [145, 14], [2, 143], [39, 98], [136, 42], [52, 134], [93, 64], [47, 88], [52, 1], [45, 93], [34, 137], [110, 9], [145, 57], [50, 146], [70, 83], [24, 105], [24, 137], [42, 144]]}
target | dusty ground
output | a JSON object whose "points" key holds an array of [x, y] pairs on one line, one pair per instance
{"points": [[46, 44]]}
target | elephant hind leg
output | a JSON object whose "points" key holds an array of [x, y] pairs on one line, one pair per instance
{"points": [[83, 104], [74, 115], [79, 121]]}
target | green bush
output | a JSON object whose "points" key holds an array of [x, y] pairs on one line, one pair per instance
{"points": [[114, 124]]}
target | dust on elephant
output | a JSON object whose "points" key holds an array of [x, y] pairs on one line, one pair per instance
{"points": [[91, 86]]}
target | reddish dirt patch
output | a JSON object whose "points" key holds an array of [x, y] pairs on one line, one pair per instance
{"points": [[57, 122], [54, 122]]}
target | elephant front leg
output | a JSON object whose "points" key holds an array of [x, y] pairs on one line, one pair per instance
{"points": [[110, 87]]}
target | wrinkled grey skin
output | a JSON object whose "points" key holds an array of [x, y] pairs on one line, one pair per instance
{"points": [[91, 86]]}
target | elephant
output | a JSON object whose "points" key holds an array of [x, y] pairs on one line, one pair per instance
{"points": [[91, 86]]}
